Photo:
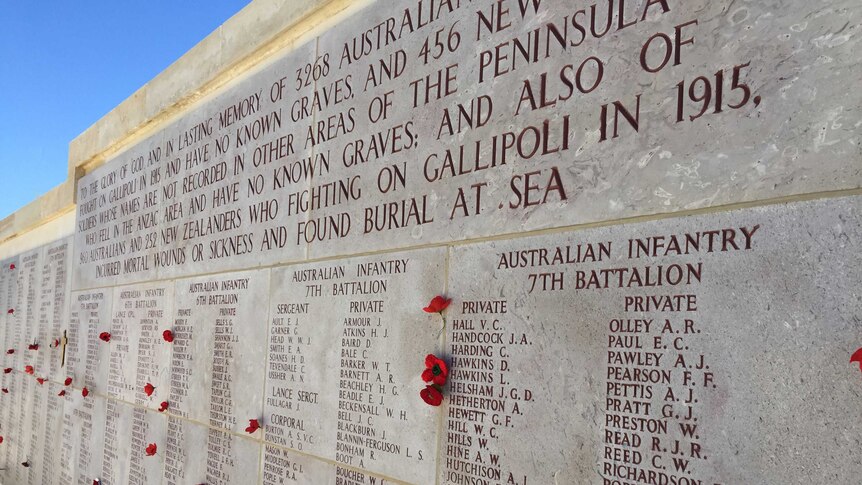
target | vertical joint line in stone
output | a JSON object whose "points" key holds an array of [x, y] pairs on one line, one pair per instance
{"points": [[262, 448]]}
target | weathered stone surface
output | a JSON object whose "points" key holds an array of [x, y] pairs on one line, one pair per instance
{"points": [[347, 343], [56, 279], [140, 356], [281, 466], [213, 192], [412, 124], [608, 353], [196, 454], [81, 451], [217, 369], [87, 356]]}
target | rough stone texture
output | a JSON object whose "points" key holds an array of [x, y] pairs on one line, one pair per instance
{"points": [[140, 355], [347, 342], [197, 454], [87, 356], [764, 358], [207, 232], [217, 373], [543, 147]]}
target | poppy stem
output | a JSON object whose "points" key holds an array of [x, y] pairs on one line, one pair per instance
{"points": [[443, 327]]}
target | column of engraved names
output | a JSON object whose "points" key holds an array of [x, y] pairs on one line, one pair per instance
{"points": [[58, 258], [366, 385], [221, 397], [140, 427], [288, 387], [90, 305], [656, 380], [112, 442], [120, 346], [482, 400], [224, 297], [66, 452], [53, 427], [149, 308], [174, 453], [181, 361], [26, 307]]}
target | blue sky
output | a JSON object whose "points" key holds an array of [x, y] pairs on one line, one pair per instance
{"points": [[64, 64]]}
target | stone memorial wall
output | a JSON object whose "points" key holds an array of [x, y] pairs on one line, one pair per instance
{"points": [[646, 214]]}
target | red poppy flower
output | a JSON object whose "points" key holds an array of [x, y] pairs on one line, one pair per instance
{"points": [[1, 439], [96, 482], [151, 449], [438, 304], [62, 393], [168, 336], [68, 381], [163, 406], [5, 391], [33, 346], [253, 425], [148, 389], [857, 357], [105, 337], [12, 266], [56, 342], [85, 392], [40, 380], [431, 395], [29, 369], [10, 351], [7, 370], [435, 370], [10, 311]]}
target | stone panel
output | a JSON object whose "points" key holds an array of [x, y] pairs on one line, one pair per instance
{"points": [[217, 367], [416, 123], [282, 467], [347, 342], [140, 355], [196, 454], [82, 447], [87, 356], [710, 348], [54, 306]]}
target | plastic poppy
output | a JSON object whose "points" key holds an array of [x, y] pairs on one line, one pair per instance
{"points": [[33, 346], [68, 381], [62, 393], [7, 370], [85, 392], [431, 395], [40, 380], [253, 425], [151, 449], [163, 406], [29, 369], [168, 336], [435, 370], [105, 336], [149, 389], [438, 304]]}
